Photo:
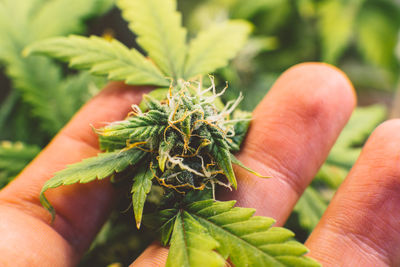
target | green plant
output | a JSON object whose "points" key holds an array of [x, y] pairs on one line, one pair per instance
{"points": [[178, 142], [41, 97]]}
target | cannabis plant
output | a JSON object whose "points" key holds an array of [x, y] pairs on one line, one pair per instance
{"points": [[41, 97], [178, 142]]}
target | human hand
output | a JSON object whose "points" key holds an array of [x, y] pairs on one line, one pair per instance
{"points": [[291, 134]]}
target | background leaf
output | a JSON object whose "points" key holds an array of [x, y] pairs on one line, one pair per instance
{"points": [[42, 94], [159, 30], [336, 26], [349, 144], [377, 27], [13, 158], [63, 17]]}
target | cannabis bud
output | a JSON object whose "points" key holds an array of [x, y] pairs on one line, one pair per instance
{"points": [[187, 137]]}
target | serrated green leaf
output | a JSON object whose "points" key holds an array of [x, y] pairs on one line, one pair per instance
{"points": [[220, 151], [213, 48], [101, 57], [13, 158], [159, 30], [249, 240], [90, 169], [38, 80], [135, 129], [241, 123], [141, 187], [163, 221], [192, 245], [337, 19]]}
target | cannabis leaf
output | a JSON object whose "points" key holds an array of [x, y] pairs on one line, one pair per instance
{"points": [[214, 47], [241, 122], [13, 158], [220, 151], [102, 57], [159, 30], [246, 239], [100, 167], [38, 81], [348, 146], [192, 245], [63, 17], [141, 187], [377, 27], [336, 26], [310, 208]]}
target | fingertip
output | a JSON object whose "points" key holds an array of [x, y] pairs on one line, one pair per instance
{"points": [[322, 77], [154, 256]]}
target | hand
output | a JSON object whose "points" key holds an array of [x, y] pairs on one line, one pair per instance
{"points": [[291, 134]]}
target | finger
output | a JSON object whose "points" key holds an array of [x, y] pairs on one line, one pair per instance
{"points": [[154, 256], [80, 209], [291, 133], [361, 226]]}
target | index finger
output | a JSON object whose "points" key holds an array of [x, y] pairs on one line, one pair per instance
{"points": [[292, 131], [80, 209]]}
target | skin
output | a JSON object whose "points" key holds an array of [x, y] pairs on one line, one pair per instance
{"points": [[293, 129]]}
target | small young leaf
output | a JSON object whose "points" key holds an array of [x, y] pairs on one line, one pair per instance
{"points": [[240, 164], [192, 245], [100, 167], [241, 122], [249, 240], [141, 187], [214, 47], [159, 30], [134, 129], [101, 57], [220, 151]]}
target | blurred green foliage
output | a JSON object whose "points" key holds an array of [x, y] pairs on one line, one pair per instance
{"points": [[38, 96]]}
